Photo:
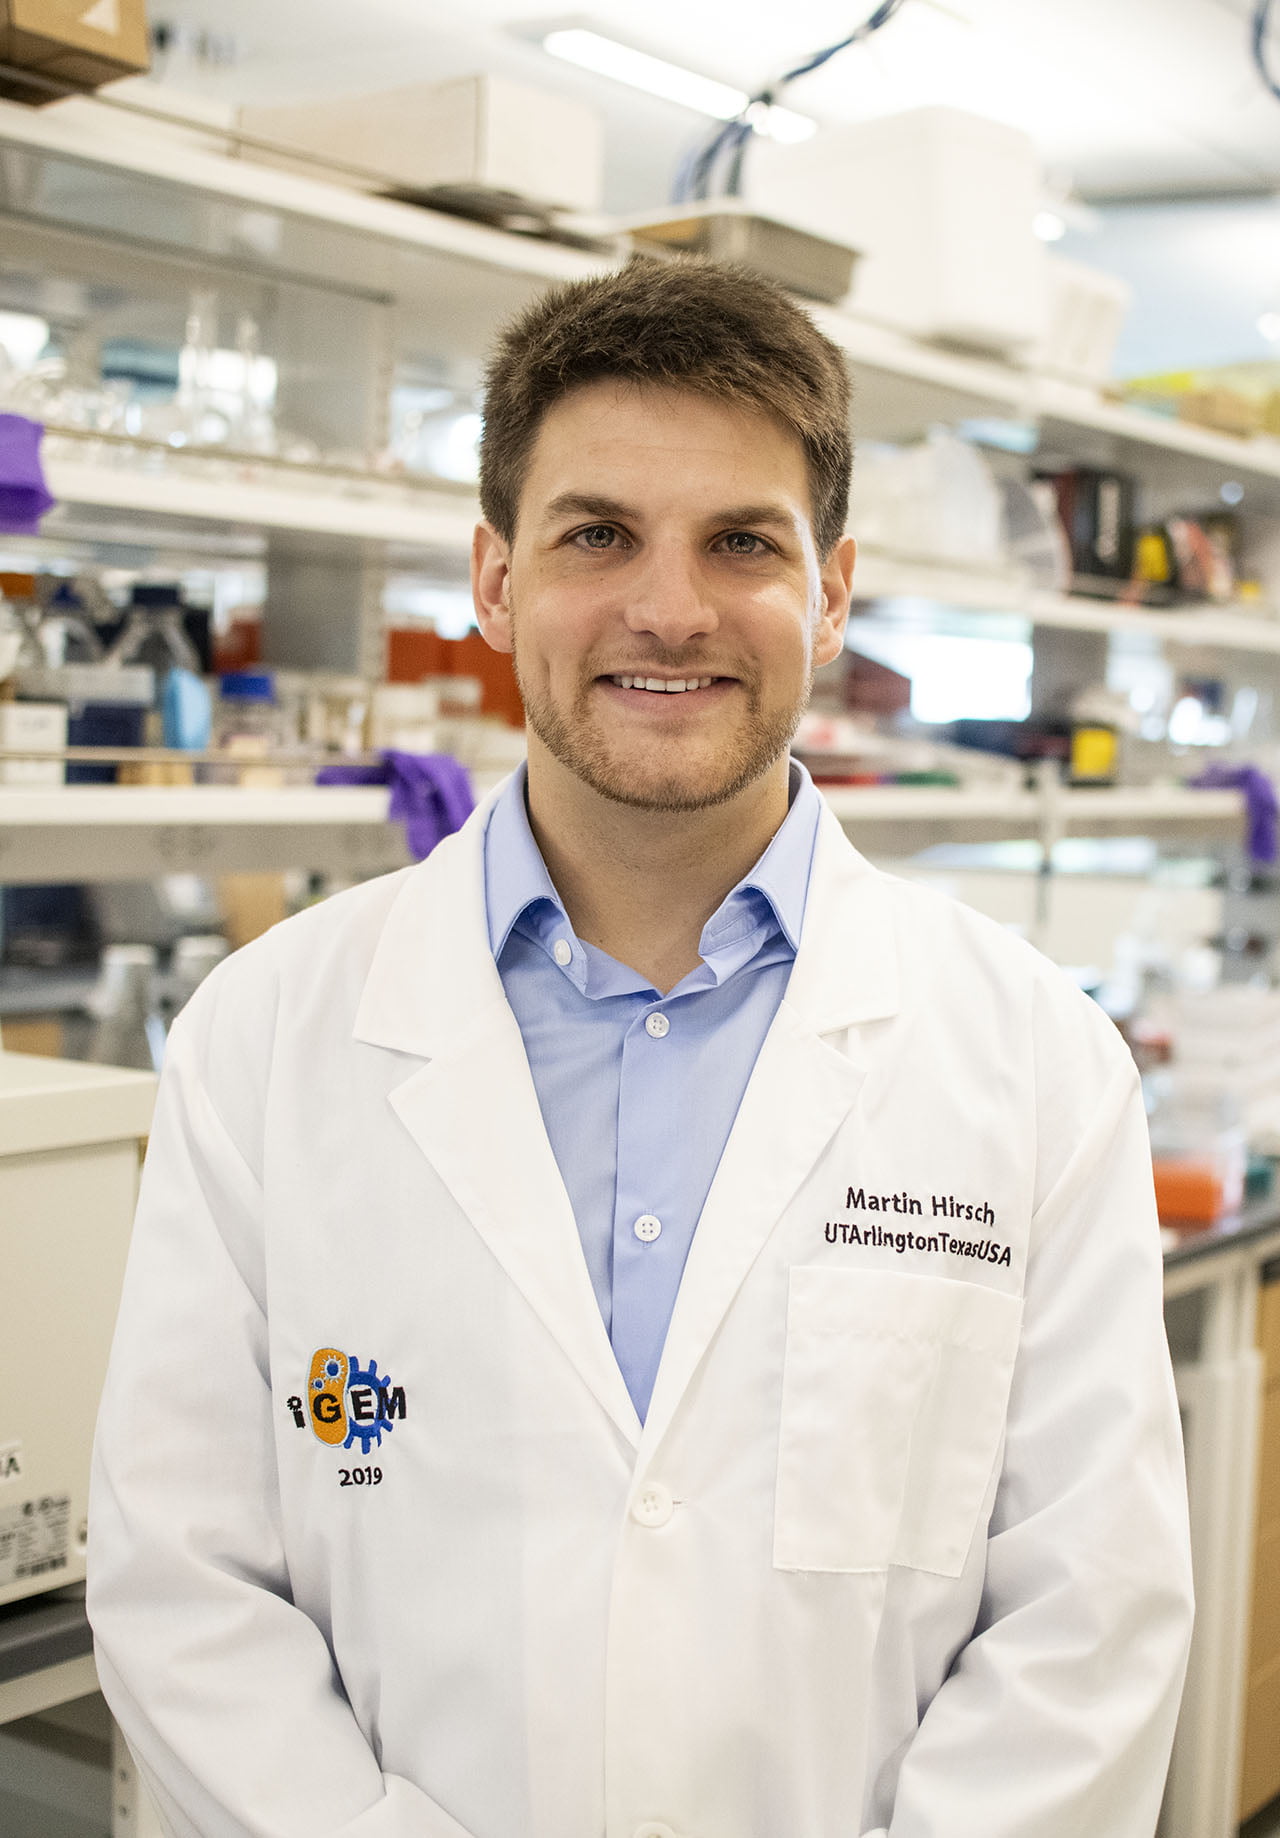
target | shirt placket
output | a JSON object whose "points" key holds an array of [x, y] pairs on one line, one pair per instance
{"points": [[651, 1227]]}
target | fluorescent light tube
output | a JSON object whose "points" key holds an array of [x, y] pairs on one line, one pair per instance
{"points": [[607, 58]]}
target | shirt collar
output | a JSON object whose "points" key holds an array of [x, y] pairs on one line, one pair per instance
{"points": [[516, 877], [781, 875]]}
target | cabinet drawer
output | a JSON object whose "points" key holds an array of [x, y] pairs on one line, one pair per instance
{"points": [[1269, 1460], [1260, 1774], [1269, 1327], [1264, 1633]]}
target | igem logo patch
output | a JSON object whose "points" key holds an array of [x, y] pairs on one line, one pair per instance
{"points": [[346, 1402]]}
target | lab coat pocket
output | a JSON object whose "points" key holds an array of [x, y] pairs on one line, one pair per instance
{"points": [[894, 1393]]}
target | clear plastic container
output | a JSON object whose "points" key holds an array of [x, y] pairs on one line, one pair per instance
{"points": [[1198, 1146], [249, 724]]}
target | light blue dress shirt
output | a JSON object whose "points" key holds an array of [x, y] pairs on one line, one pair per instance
{"points": [[639, 1091]]}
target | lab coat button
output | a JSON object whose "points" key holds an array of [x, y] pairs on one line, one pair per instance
{"points": [[647, 1227], [654, 1831], [653, 1506], [562, 951], [656, 1026]]}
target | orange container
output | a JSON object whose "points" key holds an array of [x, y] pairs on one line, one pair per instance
{"points": [[1189, 1190], [415, 652]]}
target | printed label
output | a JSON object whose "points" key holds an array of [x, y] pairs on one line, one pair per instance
{"points": [[10, 1462], [35, 1538]]}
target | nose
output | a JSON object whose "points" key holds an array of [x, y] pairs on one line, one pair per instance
{"points": [[669, 599]]}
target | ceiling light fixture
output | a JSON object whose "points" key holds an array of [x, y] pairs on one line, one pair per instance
{"points": [[1049, 226], [607, 58]]}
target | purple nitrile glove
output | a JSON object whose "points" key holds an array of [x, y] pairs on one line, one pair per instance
{"points": [[1259, 799], [24, 496], [430, 793]]}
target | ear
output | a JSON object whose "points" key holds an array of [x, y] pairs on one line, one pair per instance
{"points": [[837, 588], [491, 586]]}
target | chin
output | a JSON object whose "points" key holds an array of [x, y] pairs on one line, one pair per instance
{"points": [[660, 790], [642, 780]]}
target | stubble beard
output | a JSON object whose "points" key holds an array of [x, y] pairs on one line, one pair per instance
{"points": [[574, 738]]}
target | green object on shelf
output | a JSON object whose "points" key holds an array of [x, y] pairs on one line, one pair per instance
{"points": [[926, 778], [1259, 1177]]}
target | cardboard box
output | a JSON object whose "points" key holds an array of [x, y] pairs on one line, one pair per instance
{"points": [[71, 45], [477, 135]]}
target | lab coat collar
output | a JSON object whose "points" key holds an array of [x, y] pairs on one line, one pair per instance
{"points": [[433, 992], [432, 971]]}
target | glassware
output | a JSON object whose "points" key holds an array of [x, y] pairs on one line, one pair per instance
{"points": [[65, 631], [250, 726], [153, 633], [12, 634], [18, 591], [127, 1028], [193, 958]]}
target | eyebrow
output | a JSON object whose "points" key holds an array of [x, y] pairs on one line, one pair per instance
{"points": [[587, 504]]}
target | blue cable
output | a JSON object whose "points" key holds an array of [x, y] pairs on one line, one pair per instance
{"points": [[1261, 22], [694, 177]]}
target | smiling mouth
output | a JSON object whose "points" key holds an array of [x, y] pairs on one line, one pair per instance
{"points": [[663, 686]]}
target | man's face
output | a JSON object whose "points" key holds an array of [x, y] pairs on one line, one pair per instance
{"points": [[663, 596]]}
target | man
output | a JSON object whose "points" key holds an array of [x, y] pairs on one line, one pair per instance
{"points": [[641, 1324]]}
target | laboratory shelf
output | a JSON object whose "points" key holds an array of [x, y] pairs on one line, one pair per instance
{"points": [[911, 817], [99, 170], [880, 575], [90, 165], [117, 832], [1166, 453], [197, 496], [127, 832], [215, 502]]}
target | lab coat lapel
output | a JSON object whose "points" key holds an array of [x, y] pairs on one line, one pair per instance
{"points": [[805, 1084], [433, 991]]}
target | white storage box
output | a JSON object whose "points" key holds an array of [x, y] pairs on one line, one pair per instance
{"points": [[940, 204], [477, 134], [33, 724], [69, 1155], [1086, 314]]}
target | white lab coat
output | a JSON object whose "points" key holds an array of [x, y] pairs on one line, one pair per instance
{"points": [[902, 1544]]}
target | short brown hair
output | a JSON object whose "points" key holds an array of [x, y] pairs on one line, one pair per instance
{"points": [[712, 327]]}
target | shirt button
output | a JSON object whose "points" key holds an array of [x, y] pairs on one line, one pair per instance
{"points": [[652, 1506], [562, 951], [657, 1026], [654, 1831], [647, 1227]]}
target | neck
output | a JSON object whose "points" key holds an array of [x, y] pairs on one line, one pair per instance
{"points": [[641, 884]]}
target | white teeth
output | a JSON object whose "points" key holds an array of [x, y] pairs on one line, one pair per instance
{"points": [[661, 686]]}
